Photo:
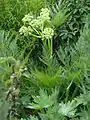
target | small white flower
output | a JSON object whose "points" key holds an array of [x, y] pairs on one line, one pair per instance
{"points": [[21, 70], [25, 68], [13, 76]]}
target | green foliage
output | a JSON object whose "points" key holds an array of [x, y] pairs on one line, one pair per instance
{"points": [[54, 109], [69, 70], [38, 103], [8, 46], [70, 30], [59, 13], [43, 76], [12, 11], [4, 106]]}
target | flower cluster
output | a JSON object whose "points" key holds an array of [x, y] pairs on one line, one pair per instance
{"points": [[27, 19], [44, 15], [37, 26], [36, 23], [48, 33], [24, 30]]}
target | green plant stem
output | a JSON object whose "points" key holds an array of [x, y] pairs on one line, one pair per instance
{"points": [[36, 36], [67, 95], [74, 93], [67, 91], [51, 47]]}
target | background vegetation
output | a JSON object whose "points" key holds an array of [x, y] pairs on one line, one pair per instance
{"points": [[45, 69]]}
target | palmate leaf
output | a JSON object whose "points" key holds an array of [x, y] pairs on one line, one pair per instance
{"points": [[55, 110], [43, 100], [67, 109], [60, 111]]}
